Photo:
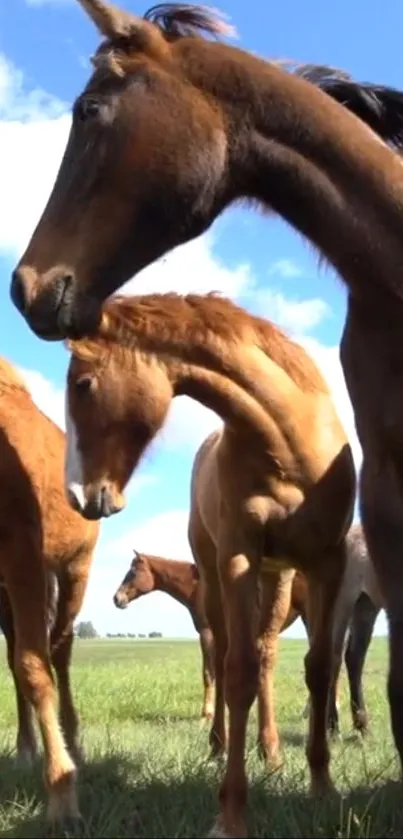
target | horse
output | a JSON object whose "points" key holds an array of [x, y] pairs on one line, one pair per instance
{"points": [[271, 492], [358, 605], [181, 580], [42, 538], [26, 740], [368, 603], [174, 127]]}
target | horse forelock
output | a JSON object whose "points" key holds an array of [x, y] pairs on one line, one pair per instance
{"points": [[182, 20]]}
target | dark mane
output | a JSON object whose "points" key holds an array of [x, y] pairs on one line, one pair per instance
{"points": [[192, 319], [180, 20], [379, 106]]}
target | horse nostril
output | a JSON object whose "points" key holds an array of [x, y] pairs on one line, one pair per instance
{"points": [[18, 291]]}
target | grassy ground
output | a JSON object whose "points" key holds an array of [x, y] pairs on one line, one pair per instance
{"points": [[146, 773]]}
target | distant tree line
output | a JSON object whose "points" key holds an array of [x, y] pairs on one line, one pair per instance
{"points": [[86, 630], [133, 635]]}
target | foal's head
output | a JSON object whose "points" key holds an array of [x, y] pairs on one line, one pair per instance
{"points": [[138, 580], [116, 402]]}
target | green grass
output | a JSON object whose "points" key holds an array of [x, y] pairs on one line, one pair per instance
{"points": [[146, 773]]}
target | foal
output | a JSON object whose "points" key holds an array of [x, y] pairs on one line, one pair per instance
{"points": [[182, 581], [273, 491], [41, 536]]}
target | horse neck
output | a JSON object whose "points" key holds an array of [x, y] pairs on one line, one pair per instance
{"points": [[247, 388], [305, 156], [173, 577]]}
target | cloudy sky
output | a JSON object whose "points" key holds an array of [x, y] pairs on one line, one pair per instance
{"points": [[259, 261]]}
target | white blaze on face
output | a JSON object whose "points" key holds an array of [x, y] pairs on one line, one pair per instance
{"points": [[73, 474]]}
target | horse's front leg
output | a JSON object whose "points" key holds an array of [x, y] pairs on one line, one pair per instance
{"points": [[238, 563], [382, 519], [320, 663]]}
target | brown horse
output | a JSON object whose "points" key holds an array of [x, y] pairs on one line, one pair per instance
{"points": [[182, 581], [277, 483], [41, 536], [170, 130]]}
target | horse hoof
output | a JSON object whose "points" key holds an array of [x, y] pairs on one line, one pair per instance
{"points": [[321, 788], [26, 756], [218, 832], [67, 826]]}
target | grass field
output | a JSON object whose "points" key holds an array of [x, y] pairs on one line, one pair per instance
{"points": [[146, 773]]}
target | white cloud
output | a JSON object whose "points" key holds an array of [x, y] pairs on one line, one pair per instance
{"points": [[292, 315], [328, 361], [33, 133], [284, 268], [192, 267], [47, 396]]}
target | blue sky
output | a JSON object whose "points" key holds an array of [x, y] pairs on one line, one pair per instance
{"points": [[260, 261]]}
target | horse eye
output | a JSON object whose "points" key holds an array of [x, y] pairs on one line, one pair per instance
{"points": [[87, 108], [83, 384]]}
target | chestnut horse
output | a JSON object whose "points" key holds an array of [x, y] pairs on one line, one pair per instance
{"points": [[41, 536], [170, 130], [272, 491], [182, 581]]}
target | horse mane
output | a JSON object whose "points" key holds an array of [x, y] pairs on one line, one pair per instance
{"points": [[183, 20], [379, 106], [192, 319], [9, 376]]}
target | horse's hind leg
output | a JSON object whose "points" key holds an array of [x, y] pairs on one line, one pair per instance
{"points": [[207, 651], [72, 586], [28, 599], [323, 588], [26, 740], [274, 608], [362, 627], [333, 708]]}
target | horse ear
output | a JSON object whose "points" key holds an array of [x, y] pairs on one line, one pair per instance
{"points": [[135, 554], [111, 21]]}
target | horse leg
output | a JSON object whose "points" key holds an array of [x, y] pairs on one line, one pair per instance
{"points": [[215, 617], [207, 650], [382, 520], [333, 708], [362, 627], [72, 586], [26, 740], [33, 671], [323, 587], [275, 606], [205, 555], [342, 619], [238, 569]]}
